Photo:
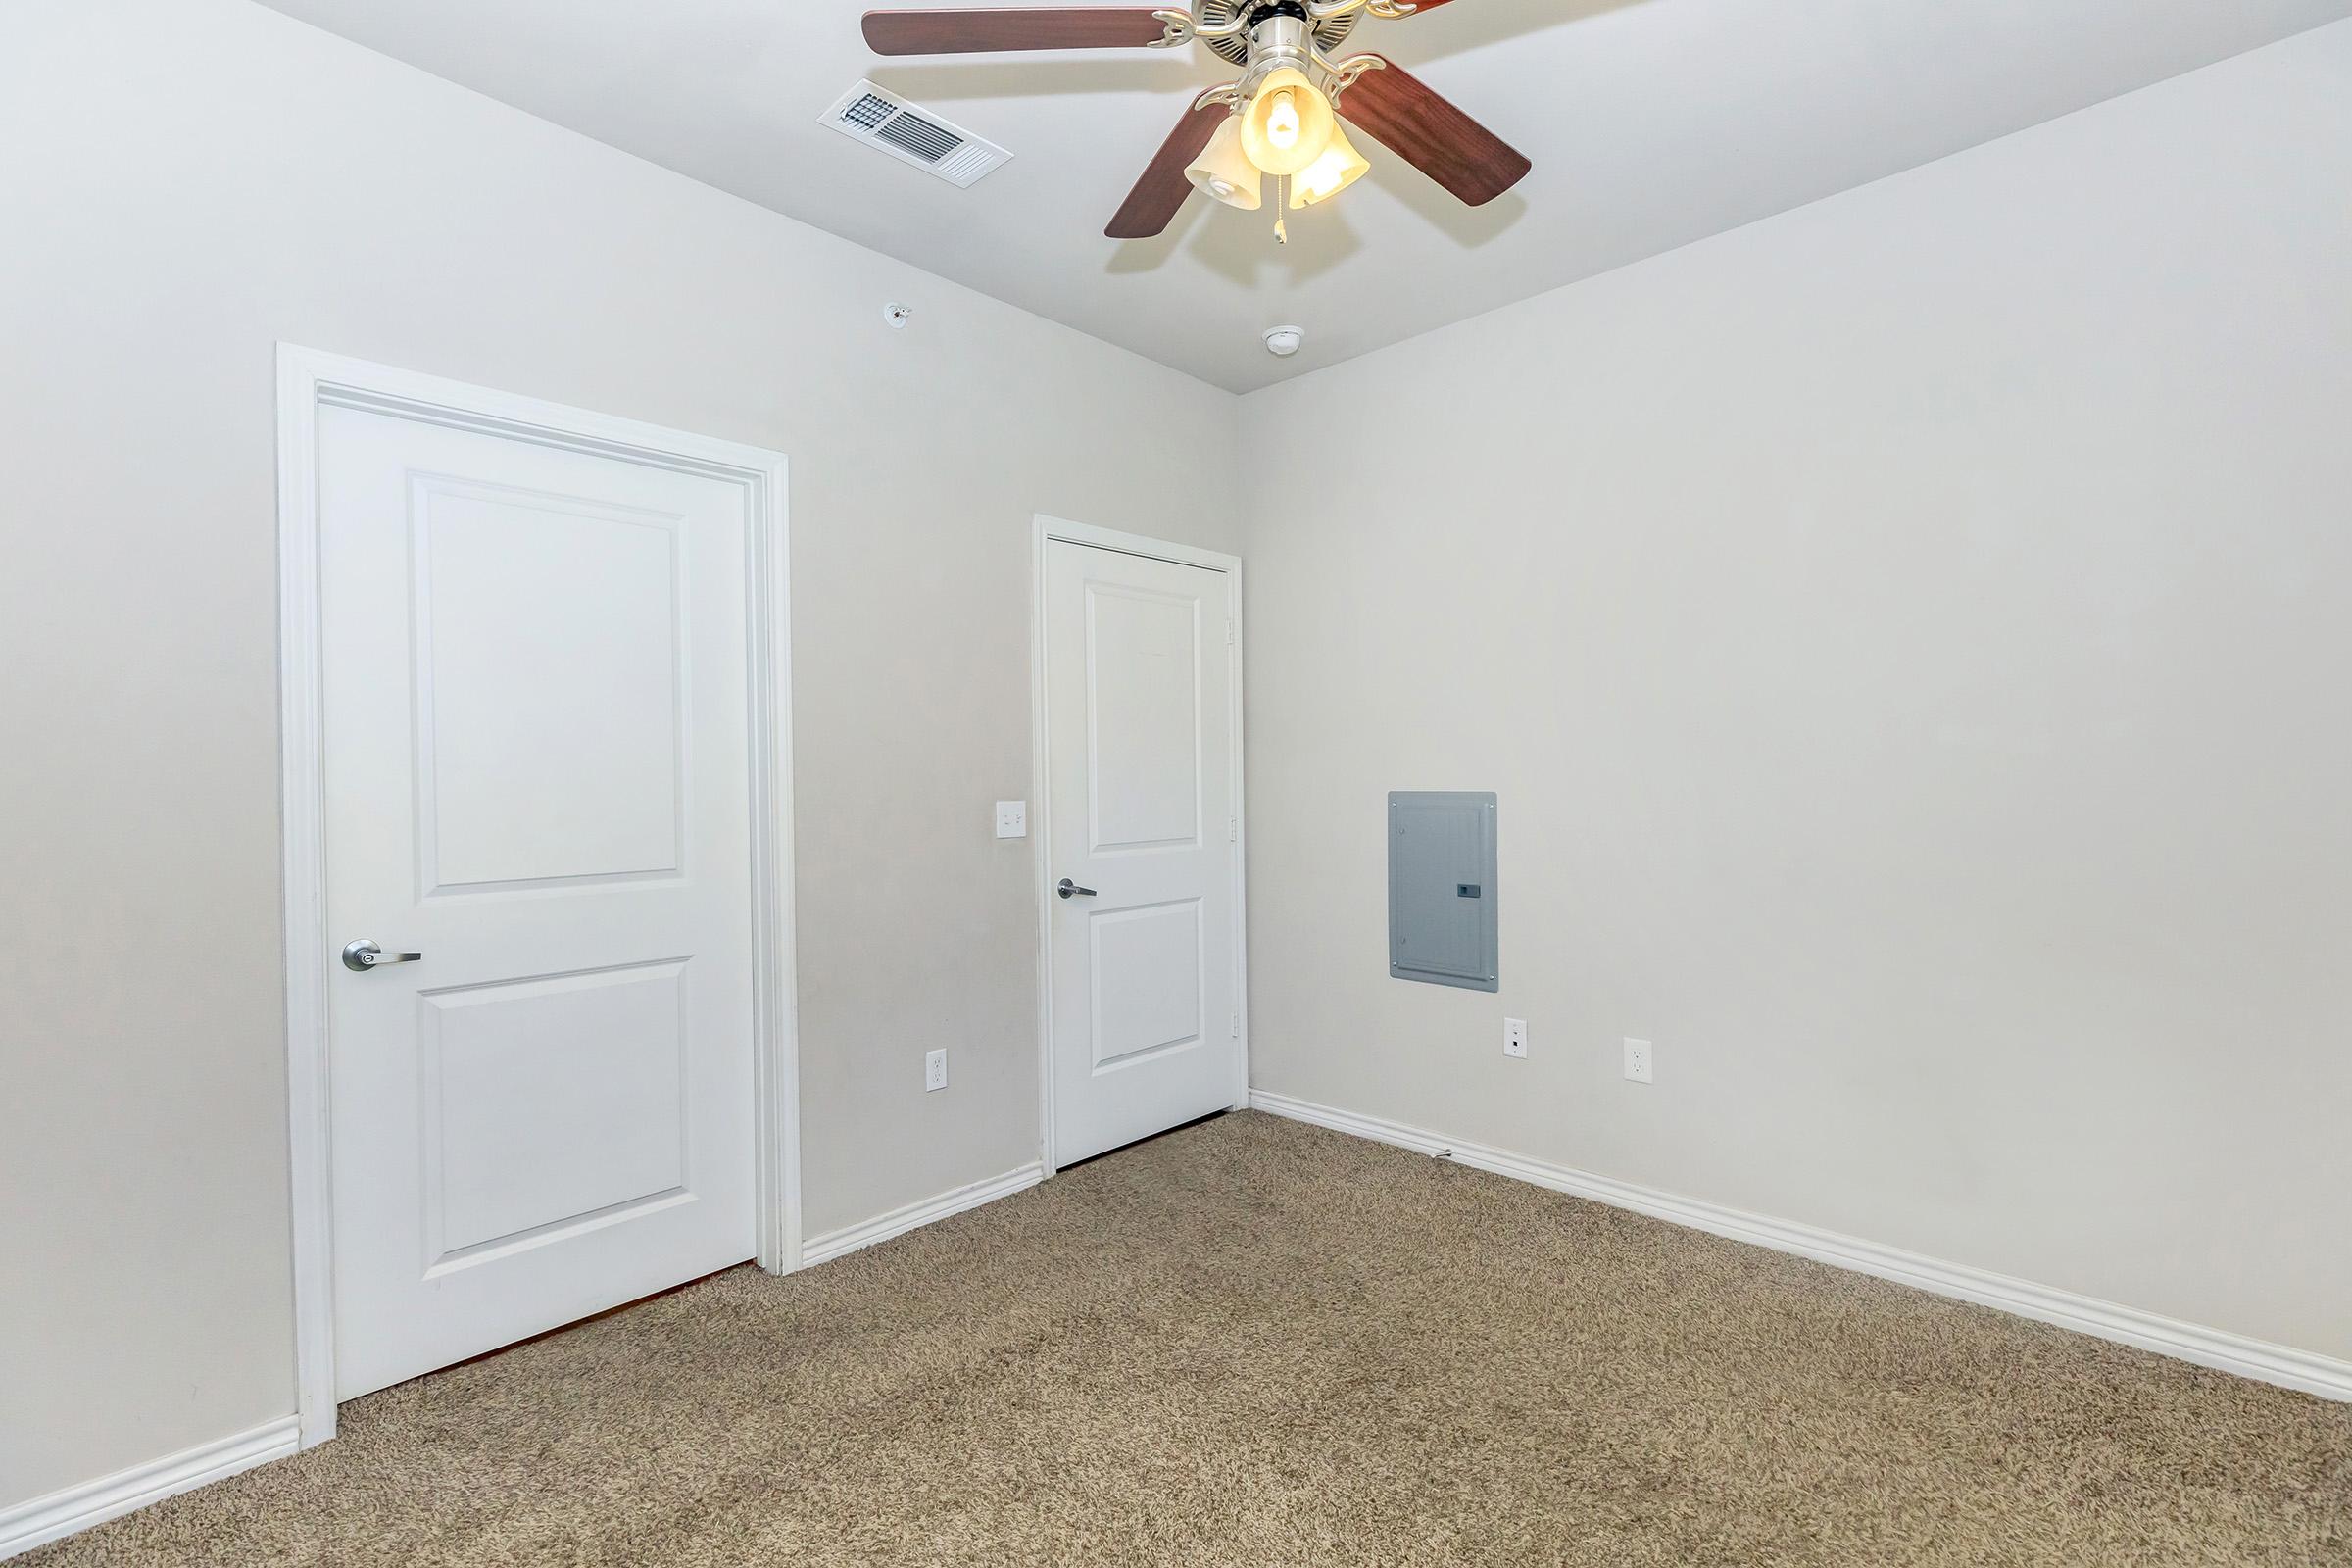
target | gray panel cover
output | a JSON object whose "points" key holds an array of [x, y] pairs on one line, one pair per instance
{"points": [[1441, 888]]}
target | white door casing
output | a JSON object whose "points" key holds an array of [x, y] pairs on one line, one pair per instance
{"points": [[1140, 741], [549, 757]]}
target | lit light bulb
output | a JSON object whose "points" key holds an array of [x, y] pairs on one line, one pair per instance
{"points": [[1288, 123], [1282, 120]]}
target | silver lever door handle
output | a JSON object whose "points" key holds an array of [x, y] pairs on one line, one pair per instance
{"points": [[1071, 890], [363, 955]]}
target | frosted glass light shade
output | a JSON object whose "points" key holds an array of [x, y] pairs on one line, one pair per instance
{"points": [[1288, 124], [1339, 166], [1224, 171]]}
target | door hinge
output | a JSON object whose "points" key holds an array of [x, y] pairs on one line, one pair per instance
{"points": [[1232, 830], [1237, 1026], [1229, 634]]}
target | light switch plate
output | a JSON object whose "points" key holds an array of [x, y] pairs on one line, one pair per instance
{"points": [[1514, 1037], [1013, 819]]}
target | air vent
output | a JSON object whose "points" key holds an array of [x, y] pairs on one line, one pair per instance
{"points": [[888, 122]]}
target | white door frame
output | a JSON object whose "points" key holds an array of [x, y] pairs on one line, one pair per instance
{"points": [[1041, 792], [307, 381]]}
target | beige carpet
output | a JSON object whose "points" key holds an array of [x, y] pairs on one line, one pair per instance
{"points": [[1257, 1344]]}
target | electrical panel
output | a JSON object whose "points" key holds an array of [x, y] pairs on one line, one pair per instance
{"points": [[1441, 913]]}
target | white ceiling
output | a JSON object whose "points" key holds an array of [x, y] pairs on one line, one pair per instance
{"points": [[1651, 124]]}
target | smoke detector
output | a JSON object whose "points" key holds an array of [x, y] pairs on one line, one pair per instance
{"points": [[1284, 341], [888, 122]]}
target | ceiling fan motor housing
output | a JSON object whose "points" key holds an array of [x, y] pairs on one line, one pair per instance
{"points": [[1329, 33]]}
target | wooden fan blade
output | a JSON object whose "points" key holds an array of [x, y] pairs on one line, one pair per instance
{"points": [[980, 29], [1405, 117], [1152, 204]]}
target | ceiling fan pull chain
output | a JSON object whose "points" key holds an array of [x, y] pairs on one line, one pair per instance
{"points": [[1282, 205]]}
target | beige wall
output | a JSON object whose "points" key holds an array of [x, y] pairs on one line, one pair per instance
{"points": [[1910, 639], [183, 184], [1907, 635]]}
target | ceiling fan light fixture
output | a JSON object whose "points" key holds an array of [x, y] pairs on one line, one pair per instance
{"points": [[1285, 124], [1224, 171], [1339, 166], [1288, 124]]}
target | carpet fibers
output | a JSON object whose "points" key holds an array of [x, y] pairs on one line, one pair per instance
{"points": [[1257, 1344]]}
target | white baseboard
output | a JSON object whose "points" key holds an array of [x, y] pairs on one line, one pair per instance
{"points": [[61, 1513], [898, 1221], [2280, 1364]]}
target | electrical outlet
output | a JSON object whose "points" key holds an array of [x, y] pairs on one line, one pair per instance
{"points": [[935, 1070], [1514, 1037], [1637, 1060], [1013, 819]]}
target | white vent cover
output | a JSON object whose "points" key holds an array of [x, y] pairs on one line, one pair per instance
{"points": [[883, 119]]}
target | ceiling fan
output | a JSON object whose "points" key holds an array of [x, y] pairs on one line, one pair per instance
{"points": [[1281, 119]]}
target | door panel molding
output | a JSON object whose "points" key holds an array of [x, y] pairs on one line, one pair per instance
{"points": [[308, 381], [1048, 531]]}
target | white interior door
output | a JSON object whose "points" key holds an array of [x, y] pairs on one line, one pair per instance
{"points": [[1142, 815], [536, 715]]}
